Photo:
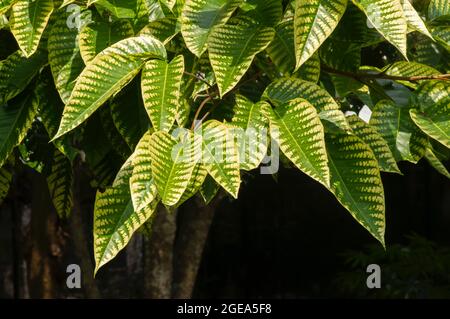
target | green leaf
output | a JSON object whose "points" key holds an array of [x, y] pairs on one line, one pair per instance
{"points": [[438, 8], [198, 19], [5, 5], [266, 12], [107, 74], [281, 50], [198, 176], [16, 72], [60, 184], [433, 117], [232, 48], [122, 9], [284, 90], [161, 85], [377, 144], [388, 18], [163, 29], [97, 36], [115, 221], [172, 165], [142, 185], [356, 182], [129, 115], [413, 19], [409, 69], [442, 36], [313, 23], [251, 132], [15, 120], [64, 54], [221, 156], [209, 189], [394, 124], [436, 163], [5, 182], [28, 22], [50, 111], [297, 129]]}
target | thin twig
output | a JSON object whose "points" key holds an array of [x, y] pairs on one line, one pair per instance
{"points": [[199, 110]]}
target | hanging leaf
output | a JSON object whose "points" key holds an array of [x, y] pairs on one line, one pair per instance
{"points": [[129, 115], [16, 72], [413, 18], [356, 182], [436, 163], [394, 124], [142, 185], [60, 184], [195, 183], [220, 156], [115, 221], [172, 164], [232, 48], [284, 90], [64, 54], [163, 29], [15, 120], [28, 22], [377, 144], [107, 74], [161, 85], [313, 23], [97, 36], [297, 129], [388, 18], [198, 19], [251, 132], [433, 117], [265, 12]]}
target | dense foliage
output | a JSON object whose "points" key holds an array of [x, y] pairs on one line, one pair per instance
{"points": [[170, 99]]}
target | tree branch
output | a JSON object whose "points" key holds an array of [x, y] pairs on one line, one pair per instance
{"points": [[383, 76]]}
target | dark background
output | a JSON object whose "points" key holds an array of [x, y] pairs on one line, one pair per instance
{"points": [[281, 239]]}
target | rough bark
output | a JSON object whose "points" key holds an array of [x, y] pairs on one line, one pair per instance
{"points": [[158, 255], [194, 222]]}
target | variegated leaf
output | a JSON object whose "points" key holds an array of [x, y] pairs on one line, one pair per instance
{"points": [[5, 5], [297, 129], [378, 145], [173, 162], [107, 74], [64, 53], [142, 186], [409, 69], [28, 22], [438, 8], [283, 90], [433, 117], [221, 156], [16, 72], [60, 184], [250, 128], [115, 220], [388, 18], [161, 85], [97, 36], [394, 124], [436, 163], [195, 183], [15, 120], [232, 48], [198, 19], [163, 29], [413, 18], [356, 182], [314, 22]]}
